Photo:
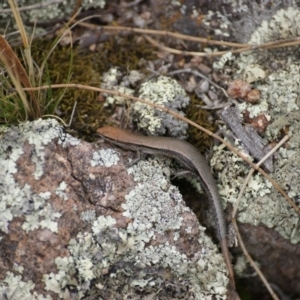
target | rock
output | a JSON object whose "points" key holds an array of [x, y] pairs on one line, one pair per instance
{"points": [[76, 223]]}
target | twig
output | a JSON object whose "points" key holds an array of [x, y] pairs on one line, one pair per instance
{"points": [[257, 270], [276, 44], [252, 171], [165, 34], [256, 145], [240, 47], [247, 255], [72, 114], [244, 47], [56, 117]]}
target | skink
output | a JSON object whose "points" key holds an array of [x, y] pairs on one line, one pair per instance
{"points": [[186, 154]]}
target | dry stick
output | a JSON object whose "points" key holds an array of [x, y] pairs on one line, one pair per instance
{"points": [[249, 258], [252, 171], [245, 47], [72, 114], [193, 53], [241, 47], [56, 117], [271, 45], [165, 34], [176, 115], [247, 255], [284, 42], [76, 9]]}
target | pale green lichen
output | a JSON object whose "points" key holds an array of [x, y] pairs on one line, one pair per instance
{"points": [[161, 90], [279, 102], [61, 191], [105, 157], [17, 268], [167, 92], [41, 13], [13, 288], [226, 58], [114, 79], [242, 269], [22, 201], [57, 282], [88, 216], [216, 16], [112, 261], [279, 89], [41, 215], [260, 204]]}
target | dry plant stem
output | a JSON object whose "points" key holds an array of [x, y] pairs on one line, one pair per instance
{"points": [[20, 72], [176, 115], [56, 117], [27, 49], [241, 47], [165, 34], [219, 106], [19, 22], [196, 73], [72, 114], [244, 47], [252, 171], [276, 44], [76, 9], [130, 4], [257, 270], [186, 53], [73, 16], [247, 255]]}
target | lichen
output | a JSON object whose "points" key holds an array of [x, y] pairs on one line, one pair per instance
{"points": [[280, 102], [122, 261], [55, 10], [88, 215], [105, 157], [13, 288], [167, 92], [60, 191], [114, 79], [216, 16], [22, 201], [242, 269]]}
